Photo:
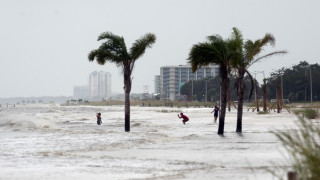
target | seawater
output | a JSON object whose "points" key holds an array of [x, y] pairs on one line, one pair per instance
{"points": [[64, 142]]}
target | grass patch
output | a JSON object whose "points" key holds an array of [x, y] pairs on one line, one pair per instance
{"points": [[309, 113], [303, 147]]}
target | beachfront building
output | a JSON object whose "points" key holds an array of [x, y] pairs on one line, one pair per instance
{"points": [[100, 85], [172, 78]]}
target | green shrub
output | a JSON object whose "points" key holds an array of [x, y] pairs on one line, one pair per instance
{"points": [[297, 112], [311, 113]]}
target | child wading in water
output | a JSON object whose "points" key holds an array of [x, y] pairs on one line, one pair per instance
{"points": [[185, 118], [215, 114], [99, 119]]}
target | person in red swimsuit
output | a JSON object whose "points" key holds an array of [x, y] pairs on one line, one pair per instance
{"points": [[185, 118]]}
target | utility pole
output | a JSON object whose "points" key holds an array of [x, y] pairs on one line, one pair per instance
{"points": [[280, 72], [255, 92], [305, 86], [310, 85], [281, 88], [256, 87]]}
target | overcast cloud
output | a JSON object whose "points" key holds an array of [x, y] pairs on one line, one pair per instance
{"points": [[45, 43]]}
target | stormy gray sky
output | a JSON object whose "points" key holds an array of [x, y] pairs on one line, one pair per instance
{"points": [[44, 43]]}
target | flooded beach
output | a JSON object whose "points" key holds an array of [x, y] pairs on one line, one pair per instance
{"points": [[65, 142]]}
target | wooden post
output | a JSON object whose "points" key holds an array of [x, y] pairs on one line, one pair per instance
{"points": [[292, 175], [279, 96]]}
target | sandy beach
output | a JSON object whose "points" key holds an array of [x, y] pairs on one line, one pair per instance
{"points": [[64, 142]]}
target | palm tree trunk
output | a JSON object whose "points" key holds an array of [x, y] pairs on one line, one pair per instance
{"points": [[224, 87], [240, 104], [127, 89], [127, 112], [229, 99], [264, 92]]}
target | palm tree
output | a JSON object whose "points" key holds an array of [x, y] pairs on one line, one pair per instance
{"points": [[114, 50], [248, 51], [215, 51]]}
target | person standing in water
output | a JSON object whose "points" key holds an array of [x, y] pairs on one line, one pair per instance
{"points": [[99, 119], [216, 113], [185, 118]]}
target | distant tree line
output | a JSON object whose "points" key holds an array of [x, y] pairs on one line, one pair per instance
{"points": [[296, 82], [296, 85]]}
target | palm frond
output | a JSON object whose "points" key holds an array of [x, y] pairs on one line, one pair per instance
{"points": [[266, 56], [235, 44], [102, 56], [251, 49], [236, 38], [203, 54], [115, 42], [214, 38], [115, 49], [254, 48], [109, 36], [268, 39], [139, 46]]}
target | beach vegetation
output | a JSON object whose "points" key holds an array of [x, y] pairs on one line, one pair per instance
{"points": [[309, 113], [303, 147]]}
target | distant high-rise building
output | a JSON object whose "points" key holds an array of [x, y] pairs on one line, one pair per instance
{"points": [[173, 77], [100, 85], [81, 92], [157, 84]]}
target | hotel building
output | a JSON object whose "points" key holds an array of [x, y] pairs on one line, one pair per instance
{"points": [[172, 78]]}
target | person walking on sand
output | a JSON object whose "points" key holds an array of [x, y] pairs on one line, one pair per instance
{"points": [[216, 113], [185, 118], [99, 119]]}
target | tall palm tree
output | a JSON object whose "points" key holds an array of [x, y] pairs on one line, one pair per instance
{"points": [[248, 51], [114, 50], [215, 50]]}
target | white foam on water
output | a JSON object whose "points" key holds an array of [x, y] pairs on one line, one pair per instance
{"points": [[64, 142]]}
